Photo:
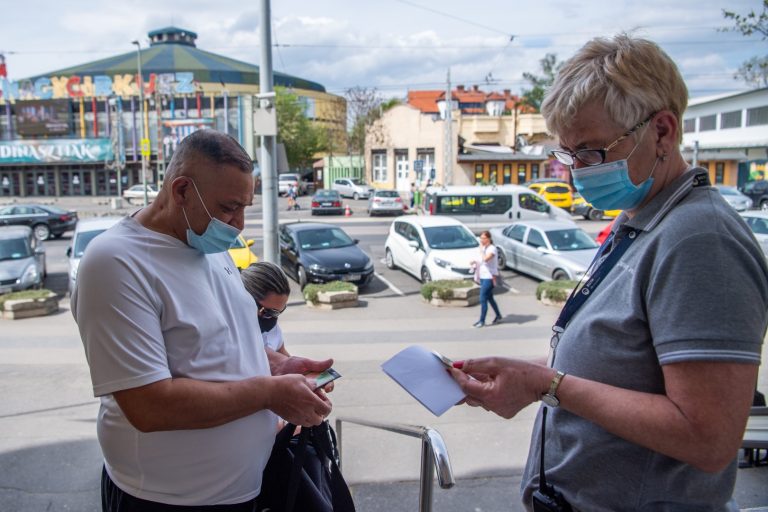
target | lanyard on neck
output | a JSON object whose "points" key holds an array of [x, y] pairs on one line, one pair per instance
{"points": [[580, 294]]}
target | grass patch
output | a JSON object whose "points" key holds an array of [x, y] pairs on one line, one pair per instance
{"points": [[311, 290], [444, 288], [26, 294], [556, 290]]}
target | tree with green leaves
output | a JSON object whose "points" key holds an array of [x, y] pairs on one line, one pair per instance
{"points": [[301, 138], [755, 70], [540, 83]]}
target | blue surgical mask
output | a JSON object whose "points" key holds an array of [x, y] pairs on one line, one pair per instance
{"points": [[608, 186], [217, 237]]}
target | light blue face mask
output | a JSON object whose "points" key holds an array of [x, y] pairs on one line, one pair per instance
{"points": [[608, 187], [217, 237]]}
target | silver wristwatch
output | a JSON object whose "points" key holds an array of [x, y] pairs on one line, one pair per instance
{"points": [[550, 397]]}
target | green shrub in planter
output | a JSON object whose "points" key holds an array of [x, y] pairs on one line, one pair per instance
{"points": [[25, 294], [311, 290], [444, 288], [557, 291]]}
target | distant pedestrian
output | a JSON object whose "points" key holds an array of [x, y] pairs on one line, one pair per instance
{"points": [[293, 195], [413, 195], [487, 275]]}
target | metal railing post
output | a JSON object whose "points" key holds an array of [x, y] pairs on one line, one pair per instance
{"points": [[427, 478]]}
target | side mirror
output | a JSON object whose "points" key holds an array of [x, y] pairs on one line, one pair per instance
{"points": [[41, 250], [414, 244], [356, 241], [543, 250], [249, 242], [69, 252]]}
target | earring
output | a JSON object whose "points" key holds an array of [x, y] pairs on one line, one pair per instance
{"points": [[664, 157]]}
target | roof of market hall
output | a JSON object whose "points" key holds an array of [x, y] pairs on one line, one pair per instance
{"points": [[173, 49]]}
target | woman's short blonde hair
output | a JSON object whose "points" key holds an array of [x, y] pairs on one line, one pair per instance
{"points": [[632, 77]]}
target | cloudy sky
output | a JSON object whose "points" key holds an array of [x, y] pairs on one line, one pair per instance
{"points": [[393, 45]]}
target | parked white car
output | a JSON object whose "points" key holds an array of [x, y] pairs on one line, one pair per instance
{"points": [[545, 249], [136, 193], [431, 248], [22, 259], [352, 187], [86, 230], [758, 223], [285, 181]]}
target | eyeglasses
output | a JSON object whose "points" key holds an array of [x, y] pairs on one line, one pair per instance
{"points": [[268, 313], [595, 156]]}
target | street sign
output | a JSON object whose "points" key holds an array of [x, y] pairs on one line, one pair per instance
{"points": [[145, 149]]}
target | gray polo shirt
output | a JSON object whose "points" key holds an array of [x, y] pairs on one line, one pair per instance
{"points": [[693, 286]]}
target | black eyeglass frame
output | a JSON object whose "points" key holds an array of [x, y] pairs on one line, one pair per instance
{"points": [[268, 313], [568, 158]]}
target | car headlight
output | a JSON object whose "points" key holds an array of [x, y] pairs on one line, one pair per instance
{"points": [[30, 276], [442, 263], [318, 269]]}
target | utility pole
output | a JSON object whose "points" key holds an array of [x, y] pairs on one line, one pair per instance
{"points": [[448, 146], [268, 142], [695, 162], [144, 139]]}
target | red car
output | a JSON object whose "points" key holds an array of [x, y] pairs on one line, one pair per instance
{"points": [[601, 236]]}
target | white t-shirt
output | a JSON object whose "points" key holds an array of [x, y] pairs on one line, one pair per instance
{"points": [[490, 268], [149, 307], [273, 338]]}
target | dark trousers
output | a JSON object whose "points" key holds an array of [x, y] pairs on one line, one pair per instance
{"points": [[114, 499], [486, 297]]}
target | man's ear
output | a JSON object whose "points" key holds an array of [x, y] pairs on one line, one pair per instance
{"points": [[666, 130], [181, 187]]}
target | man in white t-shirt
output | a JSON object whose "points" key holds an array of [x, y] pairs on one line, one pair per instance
{"points": [[188, 401]]}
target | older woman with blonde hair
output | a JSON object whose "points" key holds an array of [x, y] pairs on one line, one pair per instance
{"points": [[654, 358]]}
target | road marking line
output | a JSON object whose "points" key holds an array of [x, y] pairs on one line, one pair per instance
{"points": [[390, 285]]}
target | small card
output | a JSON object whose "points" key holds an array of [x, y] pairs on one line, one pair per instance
{"points": [[422, 375]]}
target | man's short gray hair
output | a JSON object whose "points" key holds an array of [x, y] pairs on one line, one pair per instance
{"points": [[263, 278], [218, 147], [632, 77]]}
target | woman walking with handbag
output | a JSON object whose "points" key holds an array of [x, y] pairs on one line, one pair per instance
{"points": [[486, 275]]}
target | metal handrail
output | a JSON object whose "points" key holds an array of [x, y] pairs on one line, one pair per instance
{"points": [[434, 455]]}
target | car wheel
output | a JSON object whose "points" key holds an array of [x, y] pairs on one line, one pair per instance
{"points": [[559, 275], [502, 260], [390, 260], [425, 275], [355, 196], [595, 214], [302, 274], [42, 232], [764, 205]]}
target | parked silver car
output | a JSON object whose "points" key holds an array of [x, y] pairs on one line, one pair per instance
{"points": [[136, 193], [22, 259], [545, 249], [758, 223], [87, 229], [733, 197], [352, 187], [385, 202]]}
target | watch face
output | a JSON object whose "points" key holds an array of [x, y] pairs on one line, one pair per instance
{"points": [[550, 400]]}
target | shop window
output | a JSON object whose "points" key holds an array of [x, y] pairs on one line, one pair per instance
{"points": [[720, 172], [507, 174], [534, 171], [493, 170], [479, 173], [521, 175], [379, 165]]}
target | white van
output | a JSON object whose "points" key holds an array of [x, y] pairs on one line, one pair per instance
{"points": [[484, 207]]}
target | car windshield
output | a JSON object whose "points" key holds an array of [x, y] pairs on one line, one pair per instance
{"points": [[323, 238], [450, 237], [83, 239], [288, 177], [729, 191], [387, 193], [558, 189], [14, 249], [570, 240]]}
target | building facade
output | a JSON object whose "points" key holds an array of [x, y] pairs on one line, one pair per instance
{"points": [[494, 140], [728, 134], [83, 130]]}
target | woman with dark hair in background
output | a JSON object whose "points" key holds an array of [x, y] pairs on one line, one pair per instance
{"points": [[486, 274]]}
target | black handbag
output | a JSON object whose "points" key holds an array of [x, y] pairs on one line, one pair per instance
{"points": [[303, 473]]}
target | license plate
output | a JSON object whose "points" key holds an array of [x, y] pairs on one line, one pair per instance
{"points": [[351, 277], [325, 204], [5, 289]]}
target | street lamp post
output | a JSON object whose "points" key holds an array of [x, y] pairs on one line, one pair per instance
{"points": [[143, 124]]}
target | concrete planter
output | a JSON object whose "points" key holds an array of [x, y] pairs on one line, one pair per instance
{"points": [[27, 308], [335, 300], [462, 298], [549, 301]]}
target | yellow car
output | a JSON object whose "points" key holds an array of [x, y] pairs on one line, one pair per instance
{"points": [[586, 210], [241, 253], [556, 192]]}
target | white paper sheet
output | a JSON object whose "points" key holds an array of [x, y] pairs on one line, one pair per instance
{"points": [[420, 373]]}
